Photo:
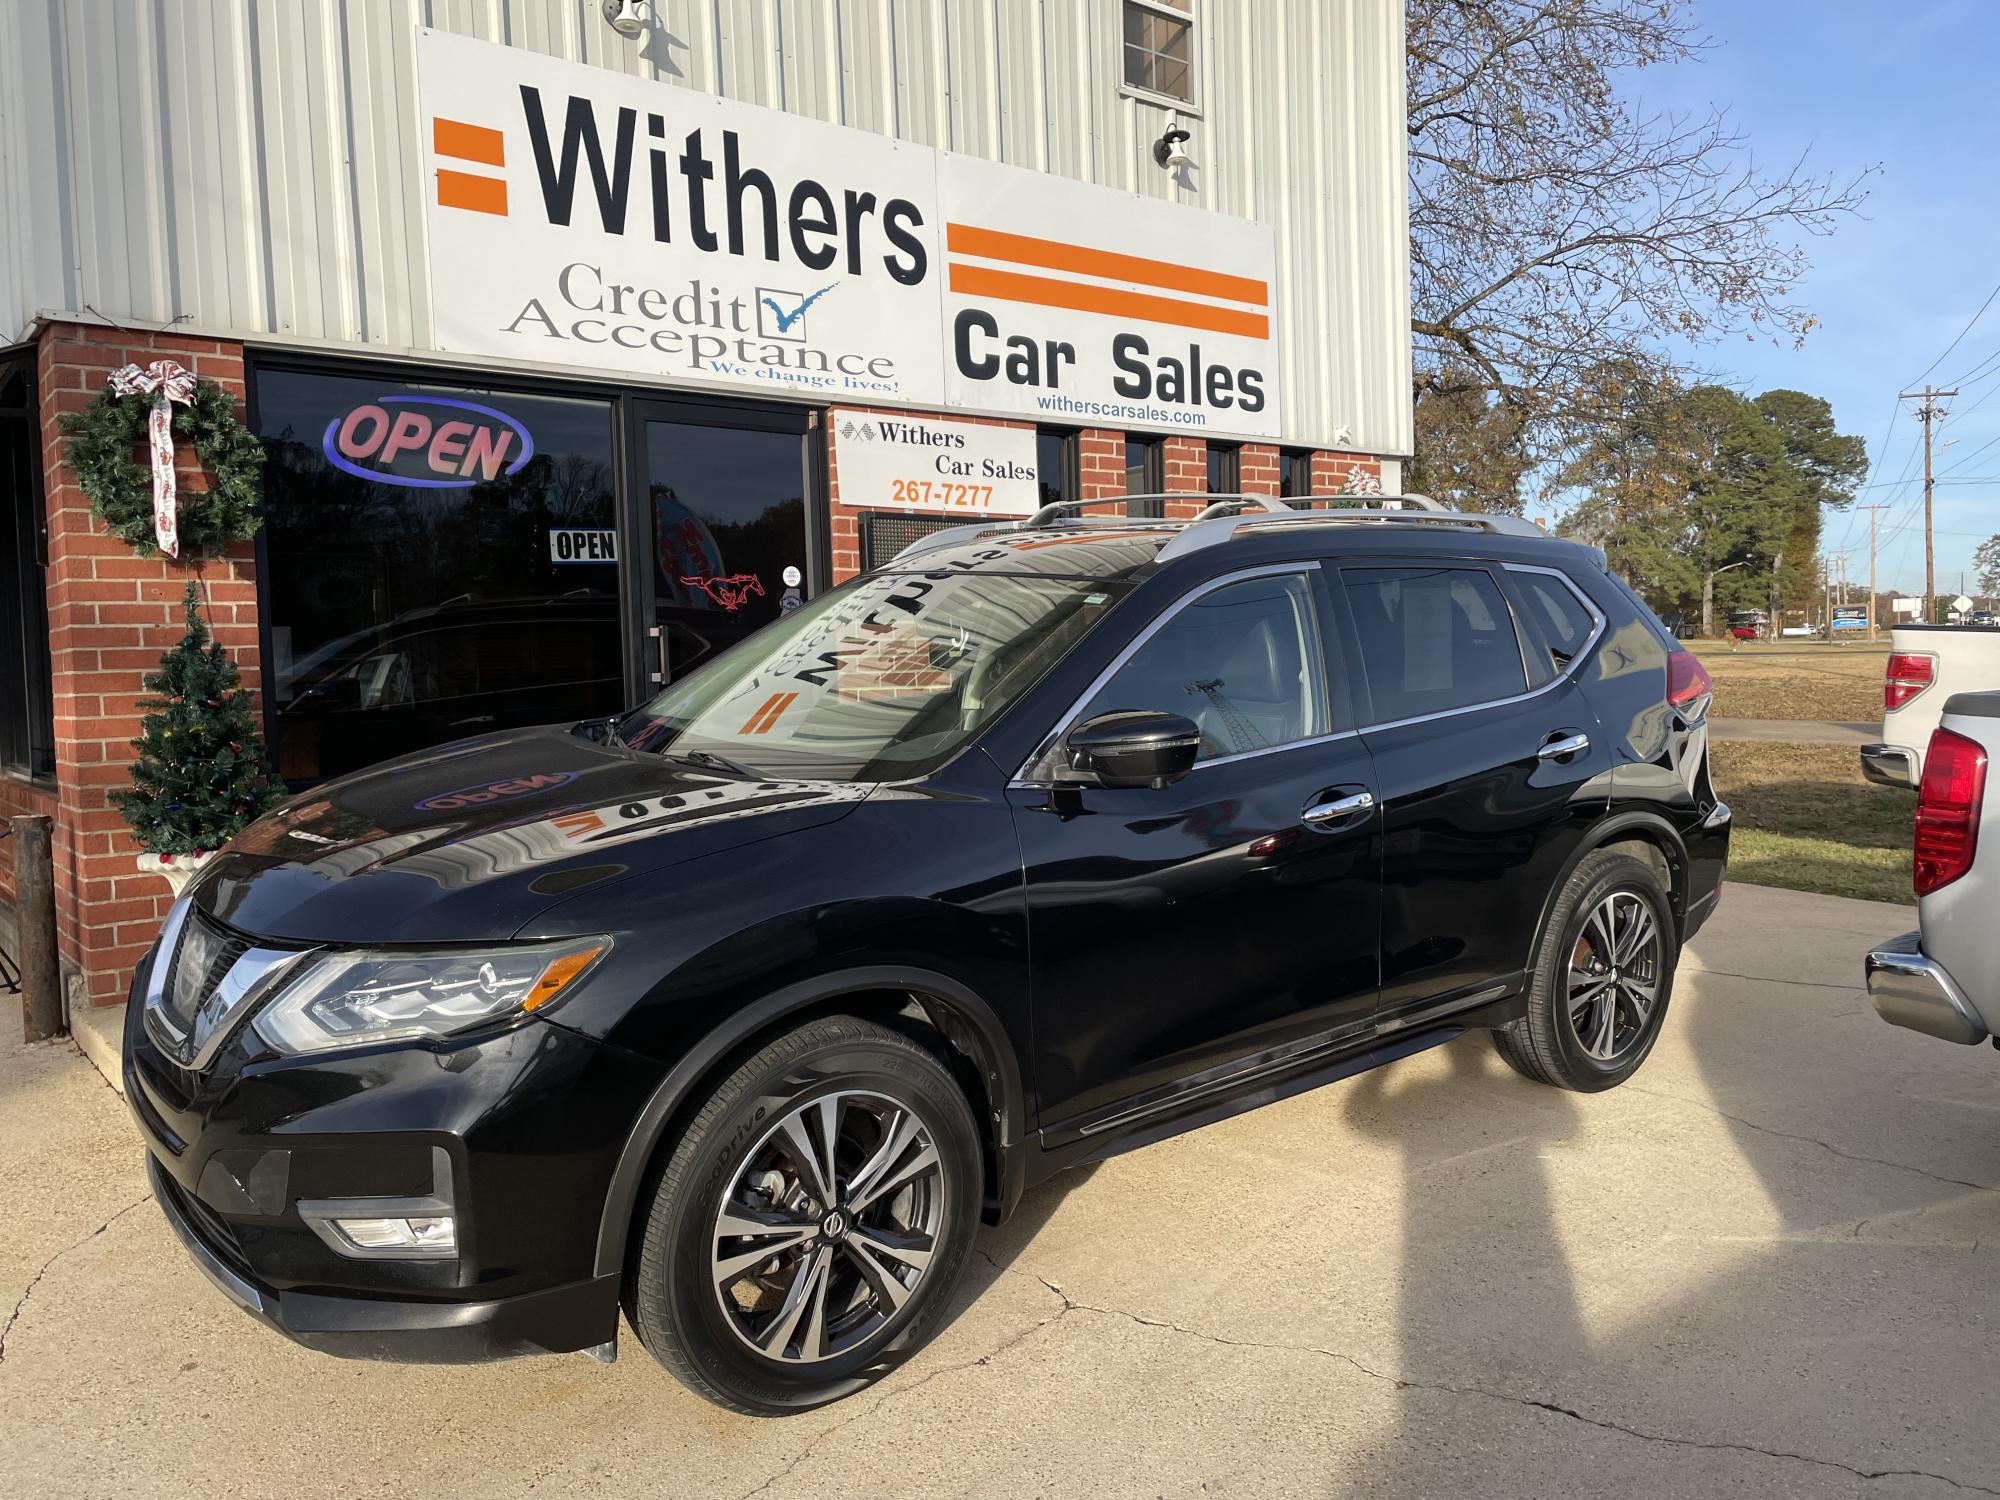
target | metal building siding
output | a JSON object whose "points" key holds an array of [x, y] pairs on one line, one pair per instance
{"points": [[253, 168]]}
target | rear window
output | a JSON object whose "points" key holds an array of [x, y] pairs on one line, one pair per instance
{"points": [[1565, 621], [1433, 639]]}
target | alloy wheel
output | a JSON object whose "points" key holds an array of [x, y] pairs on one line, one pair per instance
{"points": [[1613, 980], [829, 1227]]}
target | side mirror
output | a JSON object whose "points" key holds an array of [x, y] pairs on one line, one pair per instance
{"points": [[1133, 749]]}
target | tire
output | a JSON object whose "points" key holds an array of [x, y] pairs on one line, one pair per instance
{"points": [[844, 1267], [1562, 1040]]}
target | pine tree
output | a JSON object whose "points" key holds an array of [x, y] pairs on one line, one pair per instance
{"points": [[201, 776]]}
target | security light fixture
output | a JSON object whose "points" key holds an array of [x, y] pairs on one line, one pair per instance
{"points": [[1170, 150], [626, 17]]}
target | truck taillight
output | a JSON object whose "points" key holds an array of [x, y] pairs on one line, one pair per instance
{"points": [[1948, 804], [1908, 674], [1688, 687]]}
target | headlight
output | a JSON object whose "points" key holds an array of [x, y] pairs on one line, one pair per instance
{"points": [[348, 999]]}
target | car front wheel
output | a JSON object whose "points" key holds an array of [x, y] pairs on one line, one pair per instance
{"points": [[806, 1232], [1602, 978]]}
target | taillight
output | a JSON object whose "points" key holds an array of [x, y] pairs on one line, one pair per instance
{"points": [[1688, 687], [1948, 803], [1908, 674]]}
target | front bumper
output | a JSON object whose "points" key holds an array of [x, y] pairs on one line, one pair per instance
{"points": [[1912, 990], [561, 1319], [1890, 765], [517, 1130]]}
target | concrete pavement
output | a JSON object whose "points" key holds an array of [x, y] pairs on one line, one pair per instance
{"points": [[1768, 1266], [1795, 731]]}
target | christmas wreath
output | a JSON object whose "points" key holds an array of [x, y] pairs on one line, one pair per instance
{"points": [[134, 498]]}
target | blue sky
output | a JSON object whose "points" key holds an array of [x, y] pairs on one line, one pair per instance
{"points": [[1910, 86]]}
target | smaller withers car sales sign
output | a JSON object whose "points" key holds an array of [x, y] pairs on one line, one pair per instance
{"points": [[582, 217], [913, 463]]}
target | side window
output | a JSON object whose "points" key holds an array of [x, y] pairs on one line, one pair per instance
{"points": [[1565, 621], [1242, 661], [1432, 639]]}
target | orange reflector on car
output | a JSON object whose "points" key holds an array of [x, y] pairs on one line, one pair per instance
{"points": [[558, 974]]}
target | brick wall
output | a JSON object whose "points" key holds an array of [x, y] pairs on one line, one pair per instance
{"points": [[111, 615], [1257, 469]]}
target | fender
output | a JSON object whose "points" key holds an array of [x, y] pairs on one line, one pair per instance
{"points": [[967, 1020], [1608, 831]]}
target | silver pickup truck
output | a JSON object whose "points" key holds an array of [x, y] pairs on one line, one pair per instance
{"points": [[1944, 978]]}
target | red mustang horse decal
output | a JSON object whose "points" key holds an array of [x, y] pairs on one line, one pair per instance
{"points": [[729, 592]]}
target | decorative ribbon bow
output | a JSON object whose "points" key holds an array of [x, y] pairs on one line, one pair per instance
{"points": [[167, 383]]}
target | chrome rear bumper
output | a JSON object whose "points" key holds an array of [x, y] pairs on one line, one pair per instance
{"points": [[1914, 991], [1891, 765]]}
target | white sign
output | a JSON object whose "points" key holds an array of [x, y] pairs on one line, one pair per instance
{"points": [[892, 462], [1905, 606], [671, 234], [1961, 604], [576, 545]]}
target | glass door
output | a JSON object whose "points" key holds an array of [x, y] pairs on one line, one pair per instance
{"points": [[722, 516]]}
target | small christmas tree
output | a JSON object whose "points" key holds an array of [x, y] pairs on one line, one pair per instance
{"points": [[200, 777]]}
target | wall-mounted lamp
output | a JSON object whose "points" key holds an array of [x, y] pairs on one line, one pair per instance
{"points": [[626, 17], [1170, 150]]}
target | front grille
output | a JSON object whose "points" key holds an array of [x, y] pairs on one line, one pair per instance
{"points": [[207, 952], [209, 1227]]}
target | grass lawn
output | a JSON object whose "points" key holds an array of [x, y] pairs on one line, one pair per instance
{"points": [[1798, 681], [1805, 819]]}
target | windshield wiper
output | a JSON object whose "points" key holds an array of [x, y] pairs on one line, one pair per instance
{"points": [[709, 760]]}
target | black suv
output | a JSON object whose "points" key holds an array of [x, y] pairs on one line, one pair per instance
{"points": [[741, 1011]]}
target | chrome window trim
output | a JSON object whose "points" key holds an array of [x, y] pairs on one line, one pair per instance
{"points": [[1575, 665], [1067, 720], [1598, 621]]}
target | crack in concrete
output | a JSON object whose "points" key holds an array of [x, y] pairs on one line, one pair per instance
{"points": [[1442, 1388], [814, 1443], [1809, 984], [1811, 1140], [29, 1290]]}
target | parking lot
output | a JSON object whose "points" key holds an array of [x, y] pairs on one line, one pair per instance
{"points": [[1770, 1265]]}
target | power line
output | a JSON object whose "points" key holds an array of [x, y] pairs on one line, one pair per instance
{"points": [[1961, 334]]}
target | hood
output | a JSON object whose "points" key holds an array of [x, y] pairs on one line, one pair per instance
{"points": [[467, 842]]}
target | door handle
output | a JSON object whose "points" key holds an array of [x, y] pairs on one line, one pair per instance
{"points": [[1323, 813], [659, 674], [1563, 747]]}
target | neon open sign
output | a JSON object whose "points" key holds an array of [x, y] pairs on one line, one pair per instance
{"points": [[427, 442]]}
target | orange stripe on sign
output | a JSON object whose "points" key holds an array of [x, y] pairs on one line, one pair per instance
{"points": [[469, 142], [482, 195], [1024, 249], [1044, 291]]}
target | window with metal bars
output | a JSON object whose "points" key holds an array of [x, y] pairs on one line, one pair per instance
{"points": [[27, 705], [1295, 477]]}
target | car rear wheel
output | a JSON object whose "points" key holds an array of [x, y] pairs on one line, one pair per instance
{"points": [[1602, 978], [805, 1234]]}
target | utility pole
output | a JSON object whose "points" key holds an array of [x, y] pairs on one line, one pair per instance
{"points": [[1871, 509], [1928, 413]]}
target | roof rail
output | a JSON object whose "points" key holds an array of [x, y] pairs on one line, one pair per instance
{"points": [[1053, 514], [1213, 532], [1219, 518]]}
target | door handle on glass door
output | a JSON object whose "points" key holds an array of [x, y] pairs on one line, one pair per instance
{"points": [[1321, 814], [1564, 746]]}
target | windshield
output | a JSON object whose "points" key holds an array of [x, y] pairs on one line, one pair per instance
{"points": [[881, 680]]}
